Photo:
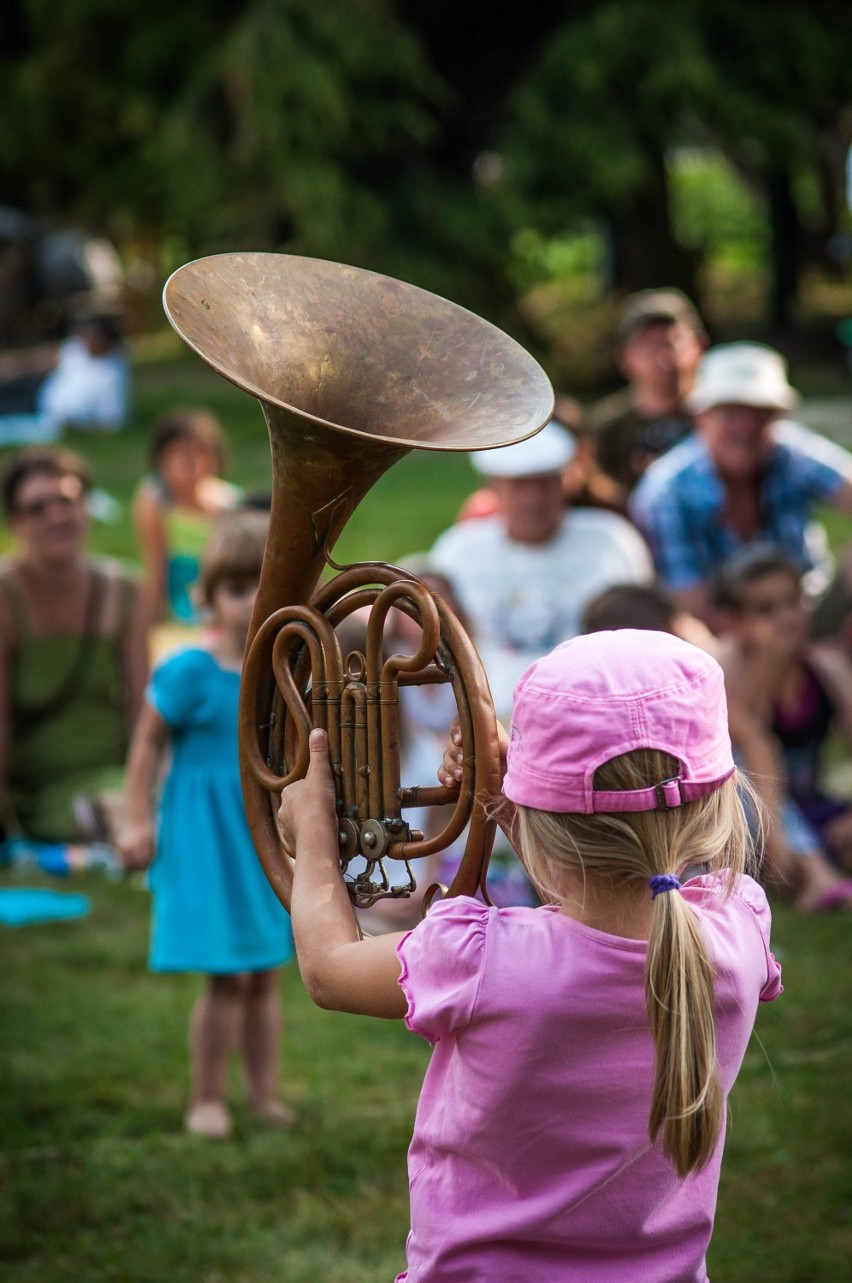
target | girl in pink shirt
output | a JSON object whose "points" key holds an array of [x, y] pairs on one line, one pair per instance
{"points": [[572, 1119]]}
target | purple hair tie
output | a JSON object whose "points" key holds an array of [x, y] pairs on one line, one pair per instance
{"points": [[661, 882]]}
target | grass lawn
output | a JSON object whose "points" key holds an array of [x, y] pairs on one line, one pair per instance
{"points": [[97, 1180], [99, 1183]]}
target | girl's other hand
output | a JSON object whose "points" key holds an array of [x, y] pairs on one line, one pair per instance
{"points": [[452, 764], [311, 801]]}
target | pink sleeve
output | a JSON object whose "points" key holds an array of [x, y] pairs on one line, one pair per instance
{"points": [[441, 965], [756, 907], [755, 897]]}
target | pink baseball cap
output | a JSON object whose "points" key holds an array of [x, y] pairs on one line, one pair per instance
{"points": [[604, 694]]}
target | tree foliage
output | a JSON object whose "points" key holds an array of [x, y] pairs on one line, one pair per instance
{"points": [[618, 90], [416, 137], [260, 119]]}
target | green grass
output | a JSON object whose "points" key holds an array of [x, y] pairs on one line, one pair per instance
{"points": [[98, 1182], [97, 1179], [784, 1210]]}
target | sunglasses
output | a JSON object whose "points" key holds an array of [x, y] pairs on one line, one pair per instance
{"points": [[38, 507]]}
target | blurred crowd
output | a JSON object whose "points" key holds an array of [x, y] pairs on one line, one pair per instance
{"points": [[663, 496], [686, 502]]}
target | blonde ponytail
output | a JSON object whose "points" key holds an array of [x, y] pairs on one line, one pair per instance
{"points": [[687, 1101], [709, 835]]}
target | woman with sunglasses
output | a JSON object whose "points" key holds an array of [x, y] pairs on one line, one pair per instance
{"points": [[73, 656]]}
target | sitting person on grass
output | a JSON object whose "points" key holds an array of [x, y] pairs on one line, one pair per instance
{"points": [[523, 575], [747, 474], [786, 695], [175, 506], [83, 384], [795, 858], [584, 485], [73, 656], [645, 606]]}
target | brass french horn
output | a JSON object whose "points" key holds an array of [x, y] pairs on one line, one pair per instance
{"points": [[352, 371]]}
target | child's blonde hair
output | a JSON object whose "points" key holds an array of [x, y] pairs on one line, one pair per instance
{"points": [[707, 835], [233, 551]]}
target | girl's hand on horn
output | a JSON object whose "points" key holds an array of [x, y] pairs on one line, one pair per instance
{"points": [[452, 764], [341, 969], [308, 805]]}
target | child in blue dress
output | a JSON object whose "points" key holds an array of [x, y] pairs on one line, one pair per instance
{"points": [[213, 909]]}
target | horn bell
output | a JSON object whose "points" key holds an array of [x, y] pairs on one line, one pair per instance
{"points": [[352, 371], [359, 352]]}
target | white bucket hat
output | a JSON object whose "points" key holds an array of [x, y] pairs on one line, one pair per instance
{"points": [[742, 374], [548, 451]]}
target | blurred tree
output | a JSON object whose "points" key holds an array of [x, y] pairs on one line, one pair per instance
{"points": [[591, 125], [277, 124], [415, 136], [213, 120], [617, 90], [785, 119]]}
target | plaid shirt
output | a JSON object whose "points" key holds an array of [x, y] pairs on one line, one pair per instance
{"points": [[678, 504]]}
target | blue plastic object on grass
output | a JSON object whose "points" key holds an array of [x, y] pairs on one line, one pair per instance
{"points": [[22, 906], [50, 857], [60, 858]]}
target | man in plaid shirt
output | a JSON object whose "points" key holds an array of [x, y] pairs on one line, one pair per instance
{"points": [[747, 473]]}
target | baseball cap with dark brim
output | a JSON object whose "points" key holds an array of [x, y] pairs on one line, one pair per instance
{"points": [[604, 694], [742, 374], [547, 452], [648, 306]]}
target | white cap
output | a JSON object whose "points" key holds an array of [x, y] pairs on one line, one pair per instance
{"points": [[742, 374], [548, 451]]}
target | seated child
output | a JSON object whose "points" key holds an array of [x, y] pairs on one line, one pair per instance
{"points": [[645, 606], [786, 693], [795, 859], [175, 508]]}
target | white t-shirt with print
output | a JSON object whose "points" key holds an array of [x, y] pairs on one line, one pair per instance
{"points": [[524, 599]]}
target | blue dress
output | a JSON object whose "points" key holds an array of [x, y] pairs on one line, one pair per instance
{"points": [[214, 910]]}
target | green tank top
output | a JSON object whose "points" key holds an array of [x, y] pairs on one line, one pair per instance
{"points": [[186, 534], [74, 744]]}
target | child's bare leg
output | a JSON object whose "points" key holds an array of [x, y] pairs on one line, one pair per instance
{"points": [[212, 1035], [838, 837], [820, 886], [801, 873], [779, 869], [261, 1038]]}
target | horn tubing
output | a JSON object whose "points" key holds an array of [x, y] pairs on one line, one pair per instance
{"points": [[352, 370]]}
